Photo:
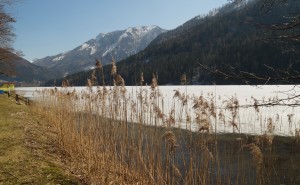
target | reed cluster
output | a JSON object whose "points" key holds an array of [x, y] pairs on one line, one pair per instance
{"points": [[112, 136]]}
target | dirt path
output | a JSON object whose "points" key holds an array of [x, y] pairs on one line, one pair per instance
{"points": [[28, 154]]}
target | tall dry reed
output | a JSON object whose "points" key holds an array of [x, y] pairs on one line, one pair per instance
{"points": [[112, 137]]}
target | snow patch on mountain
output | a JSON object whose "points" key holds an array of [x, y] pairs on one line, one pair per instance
{"points": [[140, 31], [93, 50], [90, 67], [84, 46], [58, 58], [100, 36], [124, 35], [109, 50]]}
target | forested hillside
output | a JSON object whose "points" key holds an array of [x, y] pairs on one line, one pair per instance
{"points": [[15, 68]]}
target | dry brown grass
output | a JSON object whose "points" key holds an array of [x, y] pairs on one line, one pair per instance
{"points": [[28, 150], [112, 138]]}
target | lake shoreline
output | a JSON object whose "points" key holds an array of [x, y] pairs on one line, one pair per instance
{"points": [[143, 136]]}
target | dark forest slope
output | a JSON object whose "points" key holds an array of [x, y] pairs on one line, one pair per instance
{"points": [[15, 68]]}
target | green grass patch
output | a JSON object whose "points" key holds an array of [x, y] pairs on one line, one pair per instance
{"points": [[24, 146]]}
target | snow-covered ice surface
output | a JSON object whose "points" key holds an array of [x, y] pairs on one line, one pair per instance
{"points": [[248, 120], [251, 120]]}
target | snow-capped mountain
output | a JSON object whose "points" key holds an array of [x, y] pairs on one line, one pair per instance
{"points": [[117, 44]]}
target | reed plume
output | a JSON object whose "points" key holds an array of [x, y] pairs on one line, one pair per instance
{"points": [[142, 79], [65, 83], [113, 68], [98, 65], [154, 82], [183, 79], [170, 138], [256, 154]]}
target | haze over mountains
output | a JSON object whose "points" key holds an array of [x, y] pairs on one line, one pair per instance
{"points": [[15, 68], [116, 44]]}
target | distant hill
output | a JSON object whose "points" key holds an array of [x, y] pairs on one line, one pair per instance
{"points": [[116, 44], [226, 37], [15, 68]]}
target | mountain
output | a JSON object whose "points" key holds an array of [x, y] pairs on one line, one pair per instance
{"points": [[200, 19], [15, 68], [117, 44], [227, 38]]}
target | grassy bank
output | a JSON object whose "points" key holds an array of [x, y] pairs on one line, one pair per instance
{"points": [[28, 150]]}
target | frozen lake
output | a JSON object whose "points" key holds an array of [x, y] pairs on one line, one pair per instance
{"points": [[280, 119]]}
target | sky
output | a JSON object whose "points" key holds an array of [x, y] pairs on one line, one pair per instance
{"points": [[49, 27]]}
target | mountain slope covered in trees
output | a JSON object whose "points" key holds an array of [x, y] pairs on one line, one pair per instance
{"points": [[15, 68]]}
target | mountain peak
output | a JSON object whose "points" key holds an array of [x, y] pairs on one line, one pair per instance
{"points": [[120, 44], [142, 28]]}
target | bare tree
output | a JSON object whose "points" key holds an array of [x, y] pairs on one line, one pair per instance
{"points": [[285, 33], [6, 38]]}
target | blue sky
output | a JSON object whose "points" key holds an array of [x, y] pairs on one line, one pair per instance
{"points": [[49, 27]]}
